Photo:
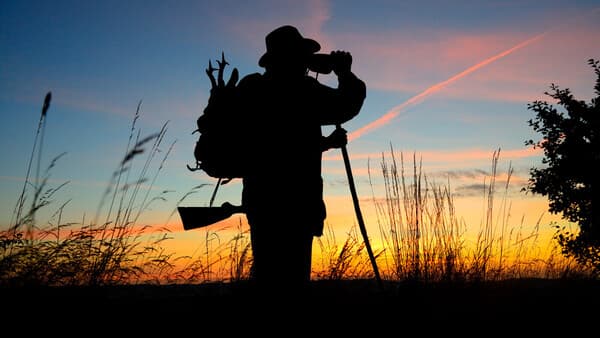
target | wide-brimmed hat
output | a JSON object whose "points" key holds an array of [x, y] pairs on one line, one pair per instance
{"points": [[286, 41]]}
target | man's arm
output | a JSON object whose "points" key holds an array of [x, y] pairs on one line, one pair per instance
{"points": [[341, 104]]}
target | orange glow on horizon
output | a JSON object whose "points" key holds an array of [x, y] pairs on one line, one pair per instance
{"points": [[520, 225]]}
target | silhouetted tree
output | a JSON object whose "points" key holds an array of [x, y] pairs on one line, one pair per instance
{"points": [[571, 156]]}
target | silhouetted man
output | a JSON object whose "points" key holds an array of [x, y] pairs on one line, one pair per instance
{"points": [[284, 109]]}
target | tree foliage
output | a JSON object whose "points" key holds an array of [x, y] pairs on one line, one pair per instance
{"points": [[570, 144]]}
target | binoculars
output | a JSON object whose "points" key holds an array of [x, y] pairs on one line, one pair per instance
{"points": [[321, 63]]}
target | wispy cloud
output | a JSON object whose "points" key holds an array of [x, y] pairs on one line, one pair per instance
{"points": [[391, 114], [432, 156]]}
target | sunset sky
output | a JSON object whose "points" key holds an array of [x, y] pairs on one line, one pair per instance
{"points": [[446, 80]]}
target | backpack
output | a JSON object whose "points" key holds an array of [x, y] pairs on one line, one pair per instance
{"points": [[217, 150]]}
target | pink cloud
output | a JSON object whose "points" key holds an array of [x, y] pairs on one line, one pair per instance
{"points": [[492, 80], [449, 156], [524, 76], [437, 87], [309, 17], [401, 58], [402, 61]]}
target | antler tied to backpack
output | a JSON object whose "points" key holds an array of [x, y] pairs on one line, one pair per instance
{"points": [[219, 83], [219, 99]]}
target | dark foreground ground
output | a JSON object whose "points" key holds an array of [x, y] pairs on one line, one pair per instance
{"points": [[517, 306]]}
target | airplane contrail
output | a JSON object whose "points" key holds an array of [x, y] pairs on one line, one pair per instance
{"points": [[387, 117]]}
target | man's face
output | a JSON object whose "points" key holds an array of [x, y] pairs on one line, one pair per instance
{"points": [[290, 66]]}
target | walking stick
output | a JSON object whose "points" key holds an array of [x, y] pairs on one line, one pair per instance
{"points": [[361, 222], [212, 198]]}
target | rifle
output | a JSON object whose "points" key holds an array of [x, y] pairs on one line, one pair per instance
{"points": [[199, 217]]}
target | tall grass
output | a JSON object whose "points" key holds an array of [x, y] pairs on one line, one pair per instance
{"points": [[421, 232], [217, 258], [348, 260], [423, 237], [114, 247], [111, 251]]}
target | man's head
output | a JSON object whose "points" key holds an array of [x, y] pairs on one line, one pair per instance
{"points": [[287, 50]]}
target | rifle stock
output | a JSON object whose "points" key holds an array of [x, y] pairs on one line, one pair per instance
{"points": [[199, 217]]}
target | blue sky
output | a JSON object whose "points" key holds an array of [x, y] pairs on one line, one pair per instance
{"points": [[101, 58]]}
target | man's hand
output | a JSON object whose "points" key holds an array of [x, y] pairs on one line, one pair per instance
{"points": [[337, 139], [342, 62]]}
